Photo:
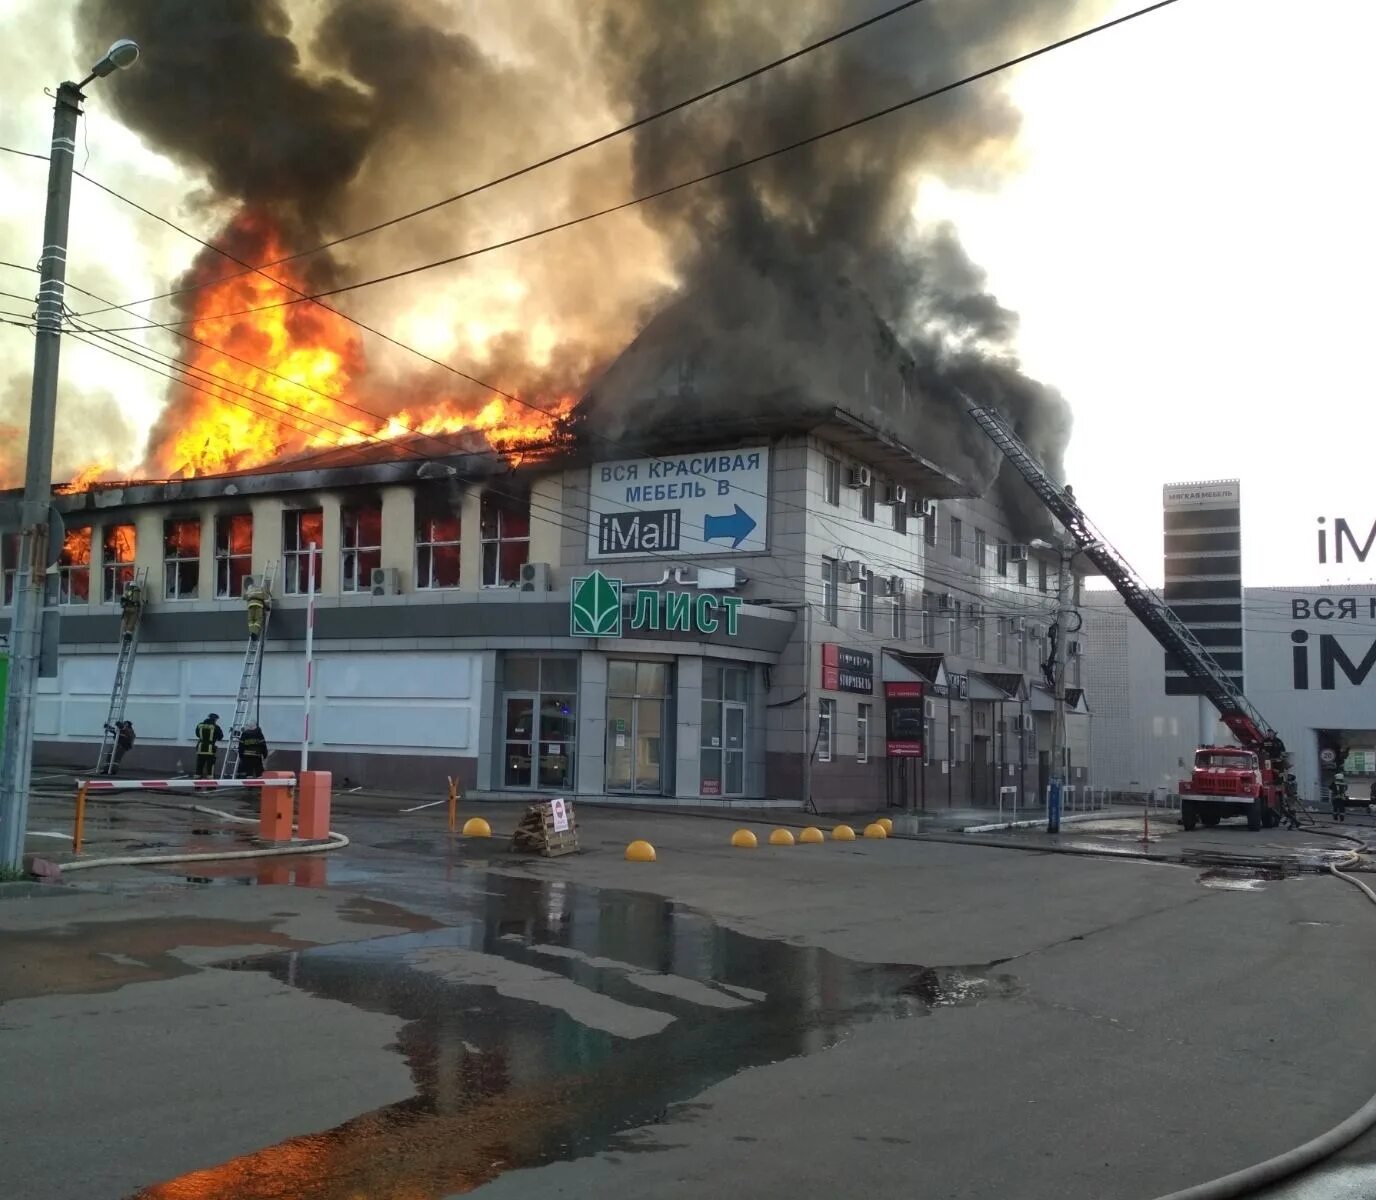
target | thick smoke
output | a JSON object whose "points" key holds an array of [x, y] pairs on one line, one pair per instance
{"points": [[330, 116]]}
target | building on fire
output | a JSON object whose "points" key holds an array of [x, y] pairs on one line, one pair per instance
{"points": [[787, 605]]}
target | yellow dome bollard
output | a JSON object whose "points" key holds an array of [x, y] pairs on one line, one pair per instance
{"points": [[876, 831], [476, 827], [887, 822], [812, 835], [639, 851], [744, 839], [843, 833], [781, 837]]}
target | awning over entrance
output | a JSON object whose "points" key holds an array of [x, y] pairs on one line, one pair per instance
{"points": [[1040, 699], [898, 667], [1011, 684]]}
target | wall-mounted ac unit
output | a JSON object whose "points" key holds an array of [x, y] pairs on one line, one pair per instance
{"points": [[929, 709], [385, 581], [945, 602], [896, 585], [1072, 648], [1017, 553], [1028, 723], [895, 494], [535, 577], [1019, 624], [853, 571], [859, 477]]}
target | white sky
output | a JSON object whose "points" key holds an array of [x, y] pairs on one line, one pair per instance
{"points": [[1189, 246]]}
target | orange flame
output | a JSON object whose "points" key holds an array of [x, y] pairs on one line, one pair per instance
{"points": [[285, 380], [92, 473], [76, 547]]}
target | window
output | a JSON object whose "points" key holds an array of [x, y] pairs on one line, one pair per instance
{"points": [[437, 550], [957, 741], [831, 480], [900, 518], [981, 548], [862, 733], [1001, 563], [234, 554], [1041, 574], [829, 605], [956, 537], [299, 529], [505, 532], [181, 559], [955, 630], [74, 567], [118, 544], [1022, 646], [539, 721], [1003, 639], [899, 631], [360, 554], [977, 620], [867, 499], [927, 618], [866, 599], [1022, 573], [929, 526], [9, 559], [826, 713]]}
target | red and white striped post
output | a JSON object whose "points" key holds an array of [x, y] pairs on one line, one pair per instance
{"points": [[310, 656]]}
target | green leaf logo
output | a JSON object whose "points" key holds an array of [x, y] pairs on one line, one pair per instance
{"points": [[595, 606]]}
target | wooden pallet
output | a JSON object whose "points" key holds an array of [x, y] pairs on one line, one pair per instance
{"points": [[536, 833]]}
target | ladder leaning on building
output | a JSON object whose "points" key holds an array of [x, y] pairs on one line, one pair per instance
{"points": [[258, 597], [132, 604]]}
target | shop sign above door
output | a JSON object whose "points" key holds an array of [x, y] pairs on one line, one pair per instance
{"points": [[597, 603]]}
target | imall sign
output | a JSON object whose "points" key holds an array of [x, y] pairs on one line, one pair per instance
{"points": [[1343, 536], [1332, 658]]}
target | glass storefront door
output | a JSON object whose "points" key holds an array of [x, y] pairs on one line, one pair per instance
{"points": [[637, 709], [539, 722], [733, 749], [722, 758]]}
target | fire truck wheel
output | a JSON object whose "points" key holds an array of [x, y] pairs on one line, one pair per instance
{"points": [[1188, 816], [1210, 820], [1271, 818], [1255, 814]]}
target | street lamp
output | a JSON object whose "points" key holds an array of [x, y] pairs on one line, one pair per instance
{"points": [[16, 758]]}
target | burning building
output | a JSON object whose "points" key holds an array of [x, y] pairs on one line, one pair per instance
{"points": [[763, 523]]}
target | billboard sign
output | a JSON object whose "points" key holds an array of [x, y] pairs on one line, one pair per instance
{"points": [[904, 719], [715, 502], [845, 670]]}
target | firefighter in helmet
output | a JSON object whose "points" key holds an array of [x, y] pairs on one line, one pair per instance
{"points": [[257, 599], [131, 604], [208, 737]]}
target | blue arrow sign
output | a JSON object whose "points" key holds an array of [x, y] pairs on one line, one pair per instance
{"points": [[737, 526]]}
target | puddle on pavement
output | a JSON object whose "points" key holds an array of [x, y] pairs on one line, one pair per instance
{"points": [[549, 1018]]}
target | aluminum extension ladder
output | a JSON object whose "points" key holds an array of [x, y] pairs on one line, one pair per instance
{"points": [[246, 702], [124, 676]]}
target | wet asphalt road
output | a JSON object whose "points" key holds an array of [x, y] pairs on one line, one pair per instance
{"points": [[413, 1018]]}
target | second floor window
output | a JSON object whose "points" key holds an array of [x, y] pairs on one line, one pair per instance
{"points": [[977, 620], [929, 526], [233, 554], [826, 716], [74, 567], [181, 559], [956, 536], [981, 548], [301, 528], [1002, 562], [1041, 574], [866, 598], [505, 537], [1003, 640], [831, 480], [900, 618], [360, 536], [829, 599], [437, 550], [926, 630], [118, 545]]}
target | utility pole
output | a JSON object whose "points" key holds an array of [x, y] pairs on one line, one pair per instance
{"points": [[16, 757], [1058, 739]]}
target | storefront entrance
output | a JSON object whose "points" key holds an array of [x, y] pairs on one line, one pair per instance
{"points": [[539, 722], [637, 715], [723, 730]]}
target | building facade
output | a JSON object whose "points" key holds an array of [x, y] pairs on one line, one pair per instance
{"points": [[717, 626]]}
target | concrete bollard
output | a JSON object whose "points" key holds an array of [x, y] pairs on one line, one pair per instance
{"points": [[313, 805], [476, 827], [744, 839], [876, 830], [275, 810], [781, 837], [811, 835], [843, 833], [887, 823], [639, 851]]}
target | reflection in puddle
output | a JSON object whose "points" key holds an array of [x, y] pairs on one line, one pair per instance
{"points": [[548, 1019]]}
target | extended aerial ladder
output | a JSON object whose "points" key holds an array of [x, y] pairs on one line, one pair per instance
{"points": [[258, 596], [1245, 723], [132, 603]]}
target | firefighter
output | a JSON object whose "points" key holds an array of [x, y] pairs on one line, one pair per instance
{"points": [[253, 752], [1339, 794], [257, 599], [124, 742], [208, 736], [130, 605]]}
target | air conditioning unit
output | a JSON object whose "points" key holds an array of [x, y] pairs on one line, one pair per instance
{"points": [[1028, 723], [1019, 624], [385, 581], [895, 494], [929, 709], [945, 602], [859, 477], [1017, 553], [853, 571], [1072, 648], [534, 577], [896, 585]]}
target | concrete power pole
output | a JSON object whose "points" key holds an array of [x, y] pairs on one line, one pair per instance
{"points": [[1058, 738], [16, 758]]}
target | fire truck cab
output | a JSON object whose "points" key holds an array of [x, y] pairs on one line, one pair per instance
{"points": [[1229, 781]]}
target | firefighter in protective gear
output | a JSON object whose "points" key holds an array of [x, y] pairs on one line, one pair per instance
{"points": [[257, 599], [131, 604], [253, 752], [208, 736]]}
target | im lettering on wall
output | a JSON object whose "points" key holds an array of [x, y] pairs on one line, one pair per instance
{"points": [[1333, 659]]}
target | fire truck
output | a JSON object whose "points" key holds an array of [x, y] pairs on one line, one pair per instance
{"points": [[1248, 780]]}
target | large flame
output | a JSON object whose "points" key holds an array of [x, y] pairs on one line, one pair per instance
{"points": [[288, 379]]}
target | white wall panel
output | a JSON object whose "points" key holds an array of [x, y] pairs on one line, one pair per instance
{"points": [[402, 674], [442, 728], [88, 676]]}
